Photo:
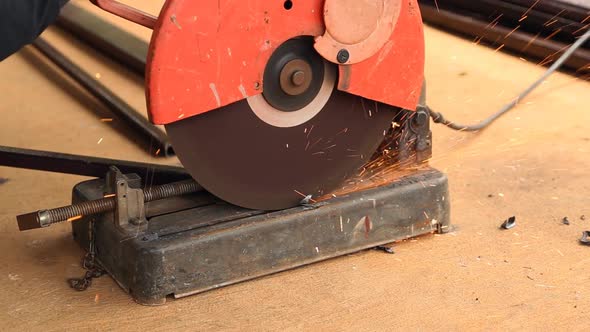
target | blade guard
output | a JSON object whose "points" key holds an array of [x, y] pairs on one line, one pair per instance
{"points": [[208, 54]]}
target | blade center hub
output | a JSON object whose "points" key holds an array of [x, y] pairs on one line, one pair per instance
{"points": [[296, 77], [293, 75]]}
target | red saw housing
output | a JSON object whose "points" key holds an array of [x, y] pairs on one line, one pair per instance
{"points": [[208, 54]]}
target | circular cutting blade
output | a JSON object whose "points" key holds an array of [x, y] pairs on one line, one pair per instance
{"points": [[301, 137], [243, 160]]}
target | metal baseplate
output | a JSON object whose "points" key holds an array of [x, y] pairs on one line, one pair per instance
{"points": [[195, 243]]}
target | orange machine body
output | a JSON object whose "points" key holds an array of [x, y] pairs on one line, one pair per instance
{"points": [[208, 54]]}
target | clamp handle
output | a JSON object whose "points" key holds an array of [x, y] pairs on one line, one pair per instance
{"points": [[127, 12]]}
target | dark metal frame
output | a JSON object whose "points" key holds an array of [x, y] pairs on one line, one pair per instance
{"points": [[180, 251], [118, 44]]}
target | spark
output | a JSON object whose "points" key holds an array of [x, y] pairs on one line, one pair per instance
{"points": [[436, 4], [75, 218], [158, 152], [530, 42], [511, 32], [499, 48], [109, 195], [550, 56], [106, 120], [99, 141], [363, 171], [580, 29], [554, 18], [523, 18], [544, 286], [181, 116], [303, 195], [552, 34], [550, 23], [493, 22], [316, 142], [530, 8]]}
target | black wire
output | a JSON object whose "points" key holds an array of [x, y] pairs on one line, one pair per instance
{"points": [[439, 118]]}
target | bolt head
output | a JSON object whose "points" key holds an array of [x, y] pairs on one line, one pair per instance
{"points": [[420, 119], [343, 56], [298, 78]]}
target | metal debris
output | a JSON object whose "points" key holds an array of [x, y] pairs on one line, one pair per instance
{"points": [[582, 217], [585, 239], [307, 200], [509, 223], [565, 221], [386, 248]]}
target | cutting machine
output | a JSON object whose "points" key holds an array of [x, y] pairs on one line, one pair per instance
{"points": [[273, 107], [267, 102]]}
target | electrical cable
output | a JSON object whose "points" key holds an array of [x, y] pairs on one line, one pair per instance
{"points": [[439, 118]]}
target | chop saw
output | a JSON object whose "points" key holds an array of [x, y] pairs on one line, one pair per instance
{"points": [[271, 106]]}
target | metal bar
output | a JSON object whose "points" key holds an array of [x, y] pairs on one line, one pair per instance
{"points": [[574, 10], [116, 43], [87, 166], [129, 13], [516, 41], [549, 22], [152, 134]]}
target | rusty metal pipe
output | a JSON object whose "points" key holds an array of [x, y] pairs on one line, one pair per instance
{"points": [[129, 13]]}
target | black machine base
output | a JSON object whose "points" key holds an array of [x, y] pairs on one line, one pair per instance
{"points": [[197, 243]]}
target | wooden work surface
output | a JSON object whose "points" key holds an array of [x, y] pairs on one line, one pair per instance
{"points": [[532, 164]]}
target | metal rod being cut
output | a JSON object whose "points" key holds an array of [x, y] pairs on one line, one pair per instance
{"points": [[87, 166], [152, 134]]}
